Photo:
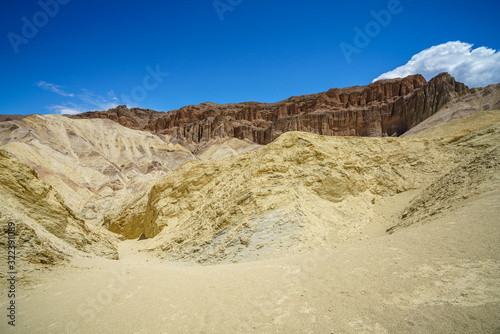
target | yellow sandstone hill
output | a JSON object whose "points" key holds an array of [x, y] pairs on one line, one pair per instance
{"points": [[89, 160], [476, 174], [47, 231], [301, 192], [97, 166], [100, 167]]}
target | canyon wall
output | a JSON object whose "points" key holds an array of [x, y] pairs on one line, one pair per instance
{"points": [[384, 108]]}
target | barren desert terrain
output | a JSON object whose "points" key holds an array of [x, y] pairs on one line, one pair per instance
{"points": [[124, 231]]}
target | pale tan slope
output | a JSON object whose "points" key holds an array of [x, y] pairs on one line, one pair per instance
{"points": [[96, 165], [223, 148], [101, 168], [301, 192], [475, 125], [128, 207], [478, 172], [47, 231], [470, 179]]}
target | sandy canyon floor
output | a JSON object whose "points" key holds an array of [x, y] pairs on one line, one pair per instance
{"points": [[441, 277]]}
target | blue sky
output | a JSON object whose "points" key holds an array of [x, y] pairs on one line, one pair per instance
{"points": [[92, 55]]}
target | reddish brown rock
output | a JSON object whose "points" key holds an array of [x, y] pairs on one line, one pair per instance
{"points": [[7, 118], [134, 118], [384, 108]]}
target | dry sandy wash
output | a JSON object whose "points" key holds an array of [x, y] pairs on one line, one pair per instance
{"points": [[309, 234]]}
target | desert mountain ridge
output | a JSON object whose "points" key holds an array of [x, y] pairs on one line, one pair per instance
{"points": [[389, 107], [384, 108]]}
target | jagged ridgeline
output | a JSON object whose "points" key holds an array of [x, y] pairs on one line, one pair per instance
{"points": [[383, 108]]}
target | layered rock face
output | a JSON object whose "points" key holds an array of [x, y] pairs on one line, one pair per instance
{"points": [[100, 167], [47, 231], [487, 98], [134, 118], [96, 165], [384, 108]]}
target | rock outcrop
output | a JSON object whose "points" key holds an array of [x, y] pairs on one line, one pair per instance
{"points": [[302, 191], [384, 108], [100, 167], [46, 230], [487, 98], [134, 118], [95, 164]]}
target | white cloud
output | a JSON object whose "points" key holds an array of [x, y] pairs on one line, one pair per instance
{"points": [[112, 95], [474, 67], [84, 101], [102, 103], [64, 110], [53, 88]]}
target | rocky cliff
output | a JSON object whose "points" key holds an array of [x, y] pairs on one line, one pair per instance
{"points": [[384, 108], [487, 98], [134, 118]]}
